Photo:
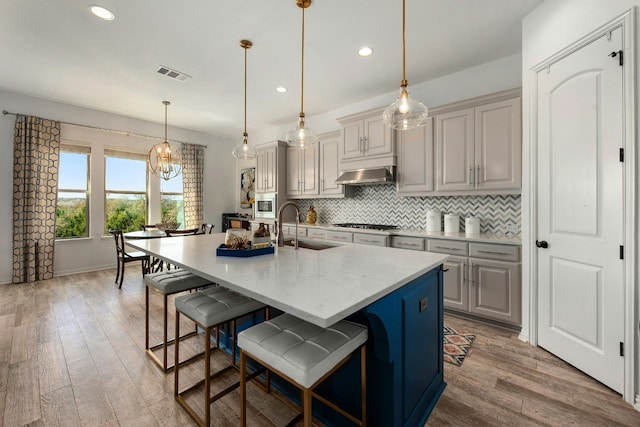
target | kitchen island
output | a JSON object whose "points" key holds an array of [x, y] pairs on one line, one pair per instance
{"points": [[397, 293]]}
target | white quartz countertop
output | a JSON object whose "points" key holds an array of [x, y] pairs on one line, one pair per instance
{"points": [[505, 239], [320, 286]]}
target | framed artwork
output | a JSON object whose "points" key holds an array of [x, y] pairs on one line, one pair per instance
{"points": [[247, 180]]}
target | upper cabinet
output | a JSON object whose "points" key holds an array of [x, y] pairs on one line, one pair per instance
{"points": [[478, 149], [330, 165], [270, 167], [312, 172], [365, 137], [302, 171], [415, 159]]}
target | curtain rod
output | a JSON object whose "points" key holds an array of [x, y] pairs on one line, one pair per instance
{"points": [[5, 112]]}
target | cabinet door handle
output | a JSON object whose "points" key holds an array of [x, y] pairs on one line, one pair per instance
{"points": [[493, 252], [448, 249], [360, 144], [471, 175], [365, 144], [478, 174]]}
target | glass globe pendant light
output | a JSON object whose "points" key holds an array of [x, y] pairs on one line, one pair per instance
{"points": [[244, 151], [301, 136], [405, 113], [164, 159]]}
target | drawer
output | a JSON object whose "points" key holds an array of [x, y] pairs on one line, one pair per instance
{"points": [[453, 247], [314, 233], [403, 242], [491, 251], [340, 236], [302, 231], [370, 239]]}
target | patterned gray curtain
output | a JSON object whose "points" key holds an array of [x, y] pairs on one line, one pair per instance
{"points": [[192, 180], [35, 195]]}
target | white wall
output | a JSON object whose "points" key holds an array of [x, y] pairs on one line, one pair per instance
{"points": [[97, 251], [495, 76], [548, 29]]}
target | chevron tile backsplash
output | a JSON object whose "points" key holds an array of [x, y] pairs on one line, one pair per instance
{"points": [[379, 204]]}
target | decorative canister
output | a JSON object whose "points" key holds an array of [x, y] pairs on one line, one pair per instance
{"points": [[434, 220], [312, 215], [472, 225], [451, 223]]}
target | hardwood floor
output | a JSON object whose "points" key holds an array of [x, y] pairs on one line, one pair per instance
{"points": [[72, 354]]}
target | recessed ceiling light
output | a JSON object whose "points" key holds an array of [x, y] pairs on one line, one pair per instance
{"points": [[281, 89], [103, 13], [365, 51]]}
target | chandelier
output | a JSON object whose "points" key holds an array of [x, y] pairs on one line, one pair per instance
{"points": [[164, 158]]}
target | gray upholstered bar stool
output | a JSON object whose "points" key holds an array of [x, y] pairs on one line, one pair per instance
{"points": [[169, 283], [209, 309], [305, 355]]}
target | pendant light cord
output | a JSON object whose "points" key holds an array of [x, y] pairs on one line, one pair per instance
{"points": [[166, 103], [245, 94], [302, 71], [404, 77]]}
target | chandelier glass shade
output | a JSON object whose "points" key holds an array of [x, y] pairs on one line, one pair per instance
{"points": [[301, 136], [405, 113], [164, 158], [244, 151]]}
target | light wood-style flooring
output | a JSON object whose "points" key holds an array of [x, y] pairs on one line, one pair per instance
{"points": [[72, 354]]}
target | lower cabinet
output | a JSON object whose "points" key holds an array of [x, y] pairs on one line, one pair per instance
{"points": [[495, 290], [483, 279]]}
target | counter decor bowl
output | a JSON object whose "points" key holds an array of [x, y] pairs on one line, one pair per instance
{"points": [[163, 226]]}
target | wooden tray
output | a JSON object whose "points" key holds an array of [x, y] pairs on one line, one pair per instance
{"points": [[243, 253]]}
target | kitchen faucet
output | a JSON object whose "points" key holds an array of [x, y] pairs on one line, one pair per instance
{"points": [[279, 223]]}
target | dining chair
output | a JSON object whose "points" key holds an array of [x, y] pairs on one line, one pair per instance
{"points": [[206, 228], [124, 257], [182, 232]]}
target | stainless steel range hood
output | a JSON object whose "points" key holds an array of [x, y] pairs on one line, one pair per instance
{"points": [[385, 175]]}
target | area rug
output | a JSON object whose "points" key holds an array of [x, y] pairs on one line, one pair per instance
{"points": [[456, 345]]}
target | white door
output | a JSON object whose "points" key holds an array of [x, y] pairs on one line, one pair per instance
{"points": [[580, 210]]}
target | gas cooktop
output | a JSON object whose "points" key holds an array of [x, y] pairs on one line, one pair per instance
{"points": [[366, 226]]}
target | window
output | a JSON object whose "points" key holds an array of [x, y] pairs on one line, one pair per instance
{"points": [[172, 202], [126, 200], [73, 192]]}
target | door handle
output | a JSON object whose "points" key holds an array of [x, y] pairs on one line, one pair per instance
{"points": [[542, 244]]}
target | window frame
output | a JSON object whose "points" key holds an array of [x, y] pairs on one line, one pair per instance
{"points": [[117, 152], [70, 147]]}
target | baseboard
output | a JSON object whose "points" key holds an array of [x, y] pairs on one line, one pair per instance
{"points": [[7, 280], [469, 316]]}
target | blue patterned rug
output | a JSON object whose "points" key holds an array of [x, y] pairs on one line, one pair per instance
{"points": [[456, 345]]}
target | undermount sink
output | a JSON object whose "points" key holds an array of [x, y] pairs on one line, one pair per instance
{"points": [[308, 244]]}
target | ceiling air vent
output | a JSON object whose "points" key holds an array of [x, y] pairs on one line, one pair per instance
{"points": [[177, 75]]}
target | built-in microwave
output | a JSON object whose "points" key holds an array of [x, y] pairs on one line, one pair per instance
{"points": [[265, 205]]}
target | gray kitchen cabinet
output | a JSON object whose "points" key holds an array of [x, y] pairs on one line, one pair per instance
{"points": [[365, 135], [478, 148], [340, 236], [483, 279], [495, 290], [302, 172], [271, 168], [456, 285], [406, 242], [371, 239], [330, 165], [415, 160]]}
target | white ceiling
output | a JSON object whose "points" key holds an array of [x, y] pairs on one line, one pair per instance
{"points": [[58, 50]]}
